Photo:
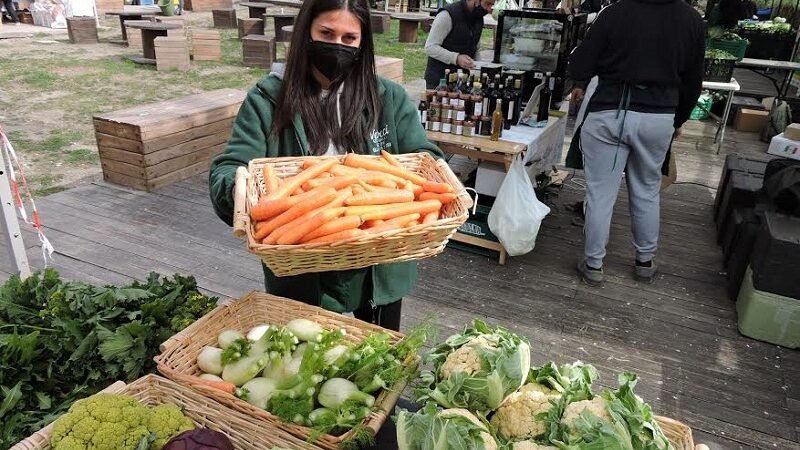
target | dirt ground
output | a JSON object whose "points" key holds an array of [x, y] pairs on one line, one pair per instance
{"points": [[51, 89]]}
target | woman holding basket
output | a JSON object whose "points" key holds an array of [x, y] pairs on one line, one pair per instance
{"points": [[328, 102]]}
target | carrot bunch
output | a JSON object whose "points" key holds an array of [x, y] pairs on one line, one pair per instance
{"points": [[330, 201]]}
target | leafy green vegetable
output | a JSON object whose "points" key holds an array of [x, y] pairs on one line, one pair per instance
{"points": [[433, 429], [61, 340], [236, 351], [575, 378], [714, 53]]}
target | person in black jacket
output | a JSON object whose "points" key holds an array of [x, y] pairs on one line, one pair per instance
{"points": [[648, 56], [454, 37]]}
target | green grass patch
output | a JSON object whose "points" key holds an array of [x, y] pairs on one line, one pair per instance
{"points": [[39, 78], [46, 185], [81, 156]]}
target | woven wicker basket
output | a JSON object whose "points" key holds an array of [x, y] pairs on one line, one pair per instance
{"points": [[418, 242], [246, 433], [678, 433], [178, 358]]}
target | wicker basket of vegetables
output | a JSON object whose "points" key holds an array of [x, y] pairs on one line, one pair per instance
{"points": [[316, 214], [156, 410], [728, 41], [318, 375]]}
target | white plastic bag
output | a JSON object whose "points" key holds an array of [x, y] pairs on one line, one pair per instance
{"points": [[517, 213]]}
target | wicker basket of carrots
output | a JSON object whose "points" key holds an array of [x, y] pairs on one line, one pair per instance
{"points": [[317, 214]]}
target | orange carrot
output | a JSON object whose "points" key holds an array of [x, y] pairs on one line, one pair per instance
{"points": [[337, 182], [444, 198], [344, 170], [266, 209], [357, 189], [403, 220], [306, 205], [366, 187], [402, 209], [296, 181], [308, 163], [298, 191], [386, 183], [334, 226], [340, 236], [363, 162], [389, 158], [418, 190], [271, 180], [299, 227], [396, 223], [359, 210], [381, 198], [315, 222], [372, 223], [224, 386], [439, 188], [430, 217]]}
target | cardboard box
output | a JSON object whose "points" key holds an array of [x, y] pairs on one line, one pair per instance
{"points": [[489, 177], [750, 120], [787, 148], [792, 132]]}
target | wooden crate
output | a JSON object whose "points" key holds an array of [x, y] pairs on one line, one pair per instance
{"points": [[210, 5], [134, 37], [172, 53], [150, 146], [206, 45], [380, 23], [224, 18], [391, 68], [250, 26], [258, 51], [82, 30], [109, 5]]}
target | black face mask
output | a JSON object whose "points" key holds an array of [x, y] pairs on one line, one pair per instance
{"points": [[479, 11], [333, 60]]}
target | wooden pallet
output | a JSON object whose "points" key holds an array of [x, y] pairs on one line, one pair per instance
{"points": [[258, 51], [82, 30], [224, 18], [391, 68], [206, 45], [151, 146], [172, 53], [250, 26]]}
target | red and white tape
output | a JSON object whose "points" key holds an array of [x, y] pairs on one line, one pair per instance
{"points": [[33, 219]]}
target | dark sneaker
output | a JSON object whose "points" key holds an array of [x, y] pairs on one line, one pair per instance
{"points": [[645, 272], [591, 276]]}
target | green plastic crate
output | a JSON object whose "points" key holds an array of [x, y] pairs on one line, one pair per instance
{"points": [[768, 317]]}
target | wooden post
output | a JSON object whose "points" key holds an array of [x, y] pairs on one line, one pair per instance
{"points": [[14, 243]]}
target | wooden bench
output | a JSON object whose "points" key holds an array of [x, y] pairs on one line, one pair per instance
{"points": [[258, 51], [125, 16], [150, 31], [172, 53], [82, 30], [150, 146], [409, 26], [224, 18]]}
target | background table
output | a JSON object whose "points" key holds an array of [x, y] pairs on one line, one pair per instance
{"points": [[280, 20], [125, 16], [150, 31], [255, 10], [409, 26], [767, 64], [731, 88]]}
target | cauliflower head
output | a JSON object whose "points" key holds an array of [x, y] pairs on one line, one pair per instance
{"points": [[488, 441], [538, 387], [598, 407], [516, 417], [466, 358], [167, 421], [530, 445], [101, 422]]}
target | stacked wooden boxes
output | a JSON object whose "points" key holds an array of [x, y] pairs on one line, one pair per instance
{"points": [[258, 51], [224, 18], [172, 53], [391, 68], [150, 146], [210, 5], [251, 26], [82, 29], [206, 45]]}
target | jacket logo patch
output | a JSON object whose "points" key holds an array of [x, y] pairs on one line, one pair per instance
{"points": [[380, 140]]}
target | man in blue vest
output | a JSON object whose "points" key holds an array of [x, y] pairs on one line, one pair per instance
{"points": [[454, 37]]}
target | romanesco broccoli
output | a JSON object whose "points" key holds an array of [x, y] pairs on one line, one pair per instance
{"points": [[167, 421]]}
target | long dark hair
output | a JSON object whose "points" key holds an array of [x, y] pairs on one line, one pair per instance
{"points": [[301, 92]]}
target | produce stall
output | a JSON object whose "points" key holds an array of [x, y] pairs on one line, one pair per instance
{"points": [[267, 372]]}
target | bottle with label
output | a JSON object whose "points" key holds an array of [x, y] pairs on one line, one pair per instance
{"points": [[446, 125], [489, 99], [543, 112], [486, 126], [431, 94], [497, 121], [441, 92], [501, 92], [476, 100], [422, 110], [517, 101], [509, 103]]}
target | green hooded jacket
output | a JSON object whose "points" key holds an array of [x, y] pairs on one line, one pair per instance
{"points": [[398, 131]]}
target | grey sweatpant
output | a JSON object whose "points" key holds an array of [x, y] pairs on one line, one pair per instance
{"points": [[639, 151]]}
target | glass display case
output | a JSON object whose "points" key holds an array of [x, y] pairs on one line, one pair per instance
{"points": [[537, 41]]}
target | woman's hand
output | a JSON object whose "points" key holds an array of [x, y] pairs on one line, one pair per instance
{"points": [[465, 62]]}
